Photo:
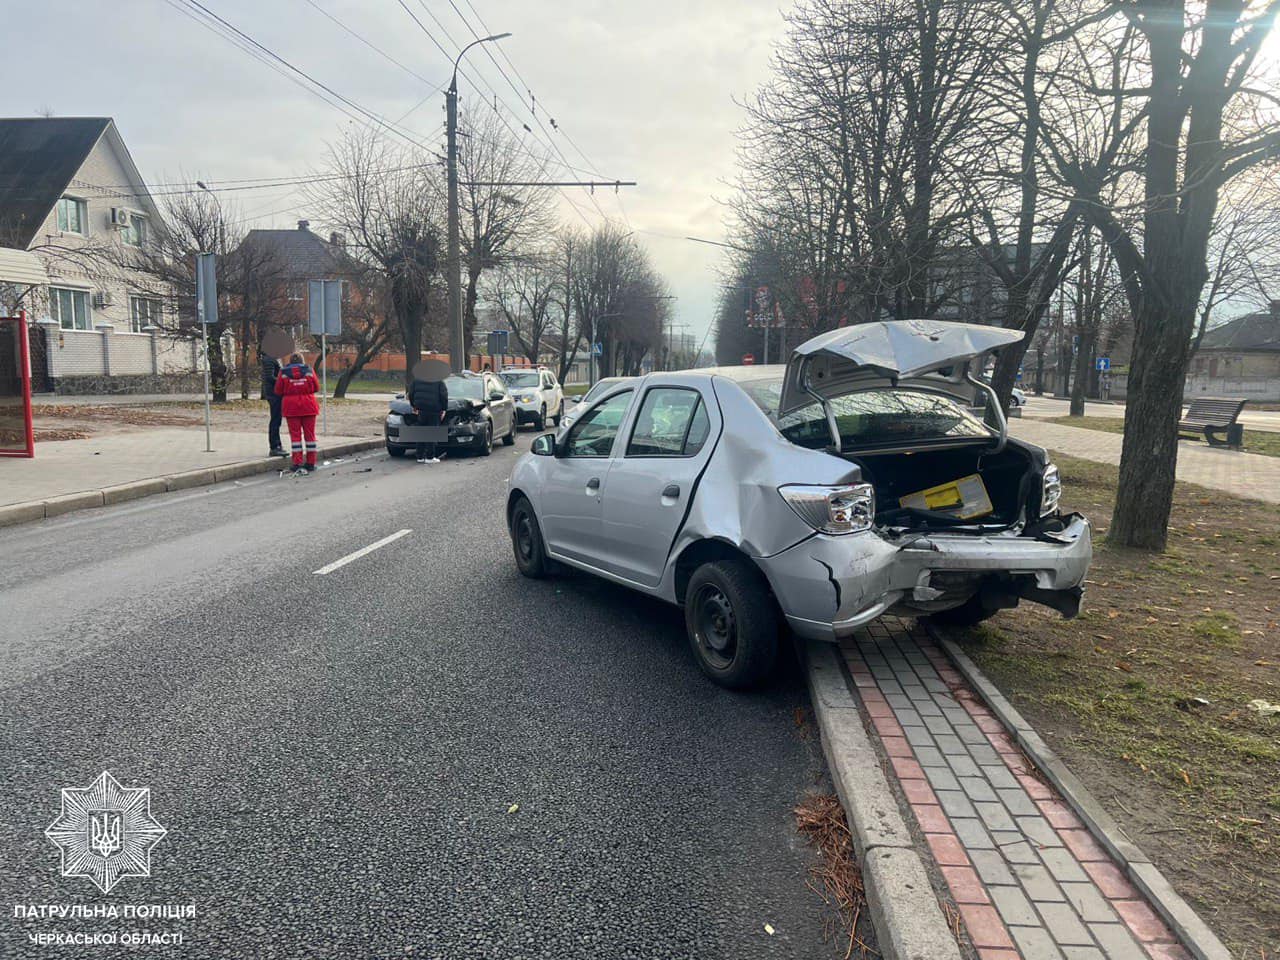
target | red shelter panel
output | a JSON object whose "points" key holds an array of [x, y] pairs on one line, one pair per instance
{"points": [[17, 438]]}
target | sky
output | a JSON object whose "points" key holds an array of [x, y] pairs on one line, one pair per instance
{"points": [[646, 91]]}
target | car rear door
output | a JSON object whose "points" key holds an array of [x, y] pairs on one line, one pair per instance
{"points": [[501, 410], [653, 476], [574, 484]]}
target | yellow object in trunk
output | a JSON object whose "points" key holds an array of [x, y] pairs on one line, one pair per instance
{"points": [[964, 499]]}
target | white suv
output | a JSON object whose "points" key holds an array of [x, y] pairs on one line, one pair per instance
{"points": [[537, 394]]}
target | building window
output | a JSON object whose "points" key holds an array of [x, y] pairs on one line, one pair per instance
{"points": [[72, 216], [135, 232], [70, 308], [143, 312]]}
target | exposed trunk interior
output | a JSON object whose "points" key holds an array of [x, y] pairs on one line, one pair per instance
{"points": [[1007, 476]]}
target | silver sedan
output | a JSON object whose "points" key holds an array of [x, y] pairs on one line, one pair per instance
{"points": [[852, 482]]}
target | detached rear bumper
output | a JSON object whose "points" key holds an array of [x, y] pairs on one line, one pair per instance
{"points": [[828, 586]]}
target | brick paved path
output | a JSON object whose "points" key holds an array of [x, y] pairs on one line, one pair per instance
{"points": [[1028, 878], [1248, 475]]}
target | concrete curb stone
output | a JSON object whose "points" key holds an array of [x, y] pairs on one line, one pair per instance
{"points": [[27, 511], [908, 919], [1202, 942], [132, 491]]}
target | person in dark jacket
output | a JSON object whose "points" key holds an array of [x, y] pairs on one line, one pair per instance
{"points": [[430, 400], [270, 371], [297, 386]]}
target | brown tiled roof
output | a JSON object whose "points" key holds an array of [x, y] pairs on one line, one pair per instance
{"points": [[303, 255]]}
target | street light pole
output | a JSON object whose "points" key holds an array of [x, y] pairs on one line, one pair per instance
{"points": [[457, 334]]}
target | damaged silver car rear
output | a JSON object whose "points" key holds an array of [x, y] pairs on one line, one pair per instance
{"points": [[853, 482]]}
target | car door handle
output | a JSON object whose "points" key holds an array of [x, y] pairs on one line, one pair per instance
{"points": [[593, 485], [672, 491]]}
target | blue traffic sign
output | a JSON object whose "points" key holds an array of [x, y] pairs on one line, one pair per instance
{"points": [[1103, 363]]}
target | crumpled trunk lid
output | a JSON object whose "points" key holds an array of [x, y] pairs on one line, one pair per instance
{"points": [[868, 355]]}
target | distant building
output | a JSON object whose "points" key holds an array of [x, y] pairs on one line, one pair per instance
{"points": [[1240, 358], [71, 199]]}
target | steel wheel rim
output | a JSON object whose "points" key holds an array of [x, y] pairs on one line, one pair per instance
{"points": [[715, 626], [524, 537]]}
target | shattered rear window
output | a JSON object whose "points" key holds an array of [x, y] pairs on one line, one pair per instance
{"points": [[887, 417]]}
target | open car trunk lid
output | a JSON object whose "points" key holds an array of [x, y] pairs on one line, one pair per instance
{"points": [[868, 355]]}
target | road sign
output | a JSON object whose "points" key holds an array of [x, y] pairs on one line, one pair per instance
{"points": [[748, 359], [598, 349], [324, 307], [1103, 363], [498, 341], [206, 288], [324, 317]]}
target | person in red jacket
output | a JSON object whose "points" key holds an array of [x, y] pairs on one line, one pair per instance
{"points": [[297, 386]]}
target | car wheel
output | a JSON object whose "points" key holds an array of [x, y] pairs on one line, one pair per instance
{"points": [[510, 438], [487, 446], [541, 422], [526, 541], [396, 451], [732, 623], [969, 614]]}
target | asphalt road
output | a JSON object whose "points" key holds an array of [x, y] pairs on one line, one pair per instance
{"points": [[335, 757]]}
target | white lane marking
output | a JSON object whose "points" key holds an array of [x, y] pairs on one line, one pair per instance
{"points": [[329, 568]]}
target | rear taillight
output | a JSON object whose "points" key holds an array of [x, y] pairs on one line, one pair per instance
{"points": [[836, 510]]}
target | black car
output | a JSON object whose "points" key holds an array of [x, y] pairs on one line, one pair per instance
{"points": [[480, 411]]}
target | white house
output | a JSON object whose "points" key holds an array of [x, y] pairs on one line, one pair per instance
{"points": [[68, 187]]}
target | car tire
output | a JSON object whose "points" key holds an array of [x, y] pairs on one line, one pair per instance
{"points": [[527, 543], [396, 451], [541, 422], [510, 438], [559, 415], [731, 621], [486, 448], [969, 614]]}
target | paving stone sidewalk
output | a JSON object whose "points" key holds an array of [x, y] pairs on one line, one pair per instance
{"points": [[1247, 475], [1026, 875]]}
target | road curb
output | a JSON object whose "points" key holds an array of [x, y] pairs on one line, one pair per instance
{"points": [[29, 510], [1194, 933], [908, 919]]}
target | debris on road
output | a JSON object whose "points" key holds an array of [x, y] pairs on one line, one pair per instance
{"points": [[1264, 707]]}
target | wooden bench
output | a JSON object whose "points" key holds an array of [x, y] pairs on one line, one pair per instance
{"points": [[1209, 417]]}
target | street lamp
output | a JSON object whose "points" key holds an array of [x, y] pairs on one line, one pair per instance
{"points": [[457, 335]]}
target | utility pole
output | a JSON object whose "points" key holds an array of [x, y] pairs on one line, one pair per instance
{"points": [[457, 335]]}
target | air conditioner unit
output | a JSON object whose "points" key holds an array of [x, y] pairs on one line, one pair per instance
{"points": [[119, 217], [101, 299]]}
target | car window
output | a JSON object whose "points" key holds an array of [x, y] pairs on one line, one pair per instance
{"points": [[464, 387], [698, 431], [663, 426], [521, 378], [594, 433], [885, 417]]}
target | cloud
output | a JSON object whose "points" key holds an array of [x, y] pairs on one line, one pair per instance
{"points": [[644, 89]]}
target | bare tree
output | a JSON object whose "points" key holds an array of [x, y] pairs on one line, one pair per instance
{"points": [[390, 204], [498, 211], [525, 291], [1193, 111]]}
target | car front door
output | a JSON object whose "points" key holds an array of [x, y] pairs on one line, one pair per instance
{"points": [[574, 483], [652, 478]]}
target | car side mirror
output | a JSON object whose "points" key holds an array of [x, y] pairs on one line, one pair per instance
{"points": [[545, 445], [399, 396], [497, 395]]}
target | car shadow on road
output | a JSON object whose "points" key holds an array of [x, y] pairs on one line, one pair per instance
{"points": [[663, 623]]}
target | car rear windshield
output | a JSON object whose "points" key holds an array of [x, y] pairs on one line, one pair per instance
{"points": [[529, 379], [465, 388], [887, 417]]}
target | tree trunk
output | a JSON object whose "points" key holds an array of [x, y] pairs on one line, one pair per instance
{"points": [[1149, 457], [217, 362], [245, 330], [469, 308], [1084, 363]]}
